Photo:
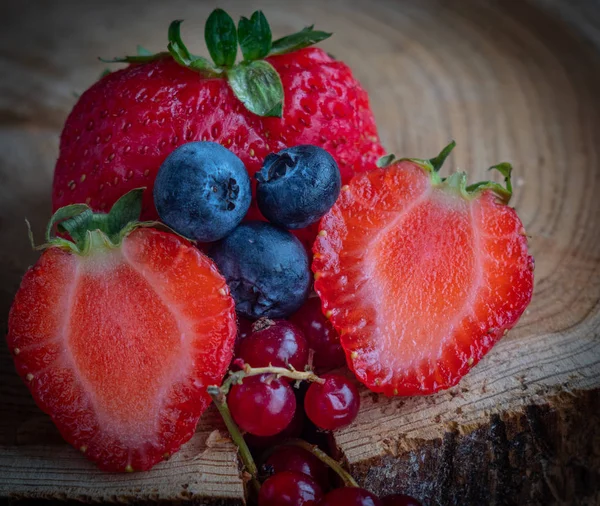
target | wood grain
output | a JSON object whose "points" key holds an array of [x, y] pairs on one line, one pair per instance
{"points": [[509, 80], [40, 465]]}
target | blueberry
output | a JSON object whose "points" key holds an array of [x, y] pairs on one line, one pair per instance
{"points": [[266, 269], [202, 191], [297, 186]]}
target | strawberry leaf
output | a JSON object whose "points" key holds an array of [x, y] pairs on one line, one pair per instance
{"points": [[258, 86], [63, 214], [142, 51], [386, 160], [104, 73], [439, 160], [254, 36], [457, 180], [221, 38], [304, 38], [254, 82], [176, 46], [180, 53], [77, 226], [125, 210], [433, 165], [203, 65], [88, 230], [504, 193], [276, 112], [30, 234], [135, 59], [176, 49]]}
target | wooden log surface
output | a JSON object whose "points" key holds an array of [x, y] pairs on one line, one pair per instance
{"points": [[509, 80]]}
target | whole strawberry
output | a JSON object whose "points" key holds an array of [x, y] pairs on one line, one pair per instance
{"points": [[117, 332], [420, 274], [281, 94]]}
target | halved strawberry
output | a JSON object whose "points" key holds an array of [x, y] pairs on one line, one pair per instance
{"points": [[118, 332], [420, 274]]}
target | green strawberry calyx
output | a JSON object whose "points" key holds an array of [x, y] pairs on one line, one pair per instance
{"points": [[89, 231], [254, 81], [458, 180]]}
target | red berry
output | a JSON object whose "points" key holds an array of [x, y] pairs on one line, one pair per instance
{"points": [[320, 335], [262, 405], [422, 275], [333, 404], [399, 500], [118, 344], [293, 430], [124, 126], [244, 329], [289, 489], [294, 458], [350, 496], [277, 343]]}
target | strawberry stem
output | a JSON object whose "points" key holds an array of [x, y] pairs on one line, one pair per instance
{"points": [[220, 400], [326, 459]]}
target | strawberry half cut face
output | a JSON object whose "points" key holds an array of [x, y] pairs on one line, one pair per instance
{"points": [[420, 275], [117, 335]]}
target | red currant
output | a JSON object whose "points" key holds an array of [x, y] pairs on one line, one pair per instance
{"points": [[333, 404], [276, 343], [294, 458], [244, 330], [399, 500], [262, 405], [289, 489], [350, 496], [321, 336], [293, 430]]}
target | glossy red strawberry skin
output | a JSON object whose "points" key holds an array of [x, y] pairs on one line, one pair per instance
{"points": [[118, 347], [124, 126], [419, 281]]}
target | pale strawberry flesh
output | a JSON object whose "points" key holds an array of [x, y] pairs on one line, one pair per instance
{"points": [[119, 346], [419, 281]]}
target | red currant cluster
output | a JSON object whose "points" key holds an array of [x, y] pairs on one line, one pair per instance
{"points": [[272, 357], [301, 479], [264, 405]]}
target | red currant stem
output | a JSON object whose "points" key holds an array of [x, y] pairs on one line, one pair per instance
{"points": [[323, 457], [220, 401], [237, 376]]}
